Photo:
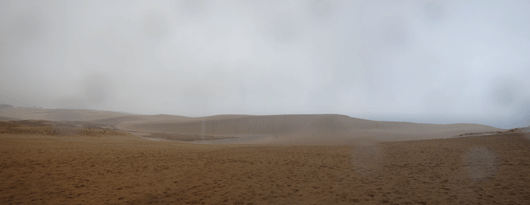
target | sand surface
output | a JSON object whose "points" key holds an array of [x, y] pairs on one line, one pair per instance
{"points": [[100, 166], [97, 157]]}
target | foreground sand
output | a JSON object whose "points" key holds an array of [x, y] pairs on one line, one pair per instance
{"points": [[105, 168]]}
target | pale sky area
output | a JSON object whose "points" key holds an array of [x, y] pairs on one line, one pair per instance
{"points": [[462, 61]]}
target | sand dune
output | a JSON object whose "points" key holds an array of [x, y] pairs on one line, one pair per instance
{"points": [[57, 114], [326, 129], [307, 129]]}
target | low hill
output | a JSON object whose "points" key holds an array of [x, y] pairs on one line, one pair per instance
{"points": [[322, 129], [306, 129]]}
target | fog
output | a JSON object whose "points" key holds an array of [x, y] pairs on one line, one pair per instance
{"points": [[417, 61]]}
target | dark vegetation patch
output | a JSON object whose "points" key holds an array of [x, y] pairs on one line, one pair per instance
{"points": [[2, 106], [42, 127], [187, 137]]}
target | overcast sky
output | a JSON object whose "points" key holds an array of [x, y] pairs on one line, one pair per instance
{"points": [[419, 61]]}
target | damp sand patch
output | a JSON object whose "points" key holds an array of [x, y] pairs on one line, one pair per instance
{"points": [[247, 139], [185, 137], [204, 139], [477, 134]]}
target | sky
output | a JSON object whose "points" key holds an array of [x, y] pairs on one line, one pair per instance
{"points": [[462, 61]]}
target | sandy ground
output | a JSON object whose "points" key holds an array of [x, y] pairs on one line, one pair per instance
{"points": [[95, 166]]}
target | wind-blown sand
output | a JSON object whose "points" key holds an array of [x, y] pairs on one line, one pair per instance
{"points": [[46, 162]]}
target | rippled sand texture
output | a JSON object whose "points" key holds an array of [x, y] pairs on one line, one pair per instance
{"points": [[105, 168]]}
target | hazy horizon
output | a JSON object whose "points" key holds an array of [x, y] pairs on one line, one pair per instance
{"points": [[415, 61]]}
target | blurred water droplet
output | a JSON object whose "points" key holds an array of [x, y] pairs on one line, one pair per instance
{"points": [[366, 158], [434, 102], [193, 6], [96, 89], [284, 30], [62, 115], [506, 92], [27, 27], [321, 7], [156, 26], [70, 103], [481, 163], [504, 97], [203, 129], [95, 93], [434, 11], [396, 35]]}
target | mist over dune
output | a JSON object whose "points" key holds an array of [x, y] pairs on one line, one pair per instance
{"points": [[315, 129], [416, 61], [309, 129], [264, 102]]}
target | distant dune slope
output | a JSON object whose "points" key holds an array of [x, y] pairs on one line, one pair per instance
{"points": [[58, 114], [310, 129], [41, 127], [7, 118], [269, 129]]}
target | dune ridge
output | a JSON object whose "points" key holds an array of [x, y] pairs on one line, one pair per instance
{"points": [[310, 129], [307, 129]]}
